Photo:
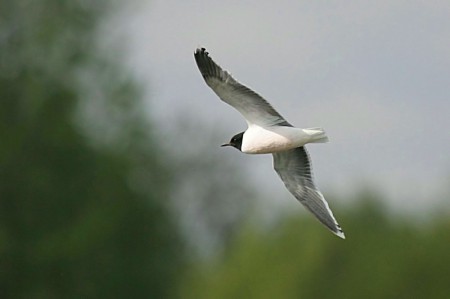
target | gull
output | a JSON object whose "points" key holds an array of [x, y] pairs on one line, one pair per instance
{"points": [[269, 133]]}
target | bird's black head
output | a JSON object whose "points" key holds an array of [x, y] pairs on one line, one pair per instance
{"points": [[236, 141]]}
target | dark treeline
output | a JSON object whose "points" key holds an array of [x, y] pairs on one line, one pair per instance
{"points": [[381, 258], [82, 183]]}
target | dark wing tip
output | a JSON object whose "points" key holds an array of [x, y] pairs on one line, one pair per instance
{"points": [[202, 57], [208, 68], [201, 51]]}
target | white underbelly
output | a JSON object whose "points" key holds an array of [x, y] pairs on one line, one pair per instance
{"points": [[258, 140]]}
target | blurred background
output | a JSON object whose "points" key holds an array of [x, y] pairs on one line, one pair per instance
{"points": [[113, 184]]}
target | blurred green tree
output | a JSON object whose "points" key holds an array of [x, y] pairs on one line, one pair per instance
{"points": [[380, 258], [82, 179]]}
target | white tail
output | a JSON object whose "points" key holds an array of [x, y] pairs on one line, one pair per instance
{"points": [[317, 135]]}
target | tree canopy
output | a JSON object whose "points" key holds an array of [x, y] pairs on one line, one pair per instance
{"points": [[82, 183], [381, 258]]}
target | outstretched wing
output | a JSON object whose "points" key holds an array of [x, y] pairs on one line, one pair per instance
{"points": [[254, 108], [294, 169]]}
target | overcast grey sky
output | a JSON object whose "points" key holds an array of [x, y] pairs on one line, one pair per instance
{"points": [[374, 74]]}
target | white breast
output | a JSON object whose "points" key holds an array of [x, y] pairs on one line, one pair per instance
{"points": [[258, 140]]}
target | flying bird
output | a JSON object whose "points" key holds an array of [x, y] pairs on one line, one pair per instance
{"points": [[269, 133]]}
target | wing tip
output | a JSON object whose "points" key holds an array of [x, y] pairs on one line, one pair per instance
{"points": [[202, 58], [336, 229], [201, 50], [209, 68], [339, 233], [204, 62]]}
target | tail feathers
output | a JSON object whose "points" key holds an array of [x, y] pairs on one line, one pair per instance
{"points": [[317, 135]]}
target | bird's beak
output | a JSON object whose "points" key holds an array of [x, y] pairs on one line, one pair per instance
{"points": [[225, 144]]}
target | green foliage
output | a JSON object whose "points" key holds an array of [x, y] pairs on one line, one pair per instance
{"points": [[300, 259], [79, 217]]}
